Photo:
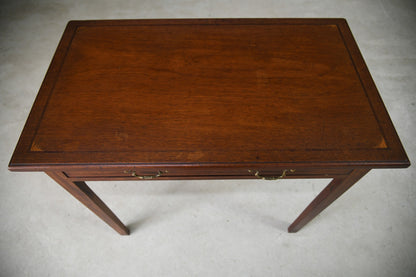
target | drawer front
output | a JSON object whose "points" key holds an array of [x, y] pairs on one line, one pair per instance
{"points": [[155, 173], [150, 173]]}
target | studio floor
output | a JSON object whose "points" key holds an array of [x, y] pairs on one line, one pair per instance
{"points": [[208, 228]]}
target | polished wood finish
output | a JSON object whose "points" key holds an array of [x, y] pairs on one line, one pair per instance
{"points": [[208, 99]]}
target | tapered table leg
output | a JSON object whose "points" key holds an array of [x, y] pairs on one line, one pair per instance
{"points": [[86, 196], [334, 190]]}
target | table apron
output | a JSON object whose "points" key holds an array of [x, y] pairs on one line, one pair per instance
{"points": [[131, 174]]}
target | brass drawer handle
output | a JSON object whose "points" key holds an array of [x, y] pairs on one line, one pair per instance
{"points": [[144, 177], [257, 174]]}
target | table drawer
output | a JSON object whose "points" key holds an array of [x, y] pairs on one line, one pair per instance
{"points": [[147, 173]]}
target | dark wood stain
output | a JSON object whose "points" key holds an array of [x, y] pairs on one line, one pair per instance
{"points": [[207, 99]]}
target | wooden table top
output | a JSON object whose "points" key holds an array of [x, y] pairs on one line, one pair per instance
{"points": [[219, 91]]}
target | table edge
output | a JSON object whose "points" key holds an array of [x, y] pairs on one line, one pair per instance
{"points": [[367, 164]]}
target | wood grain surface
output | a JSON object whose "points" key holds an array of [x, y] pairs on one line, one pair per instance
{"points": [[208, 91]]}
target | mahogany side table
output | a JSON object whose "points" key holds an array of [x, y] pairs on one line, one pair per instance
{"points": [[207, 99]]}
